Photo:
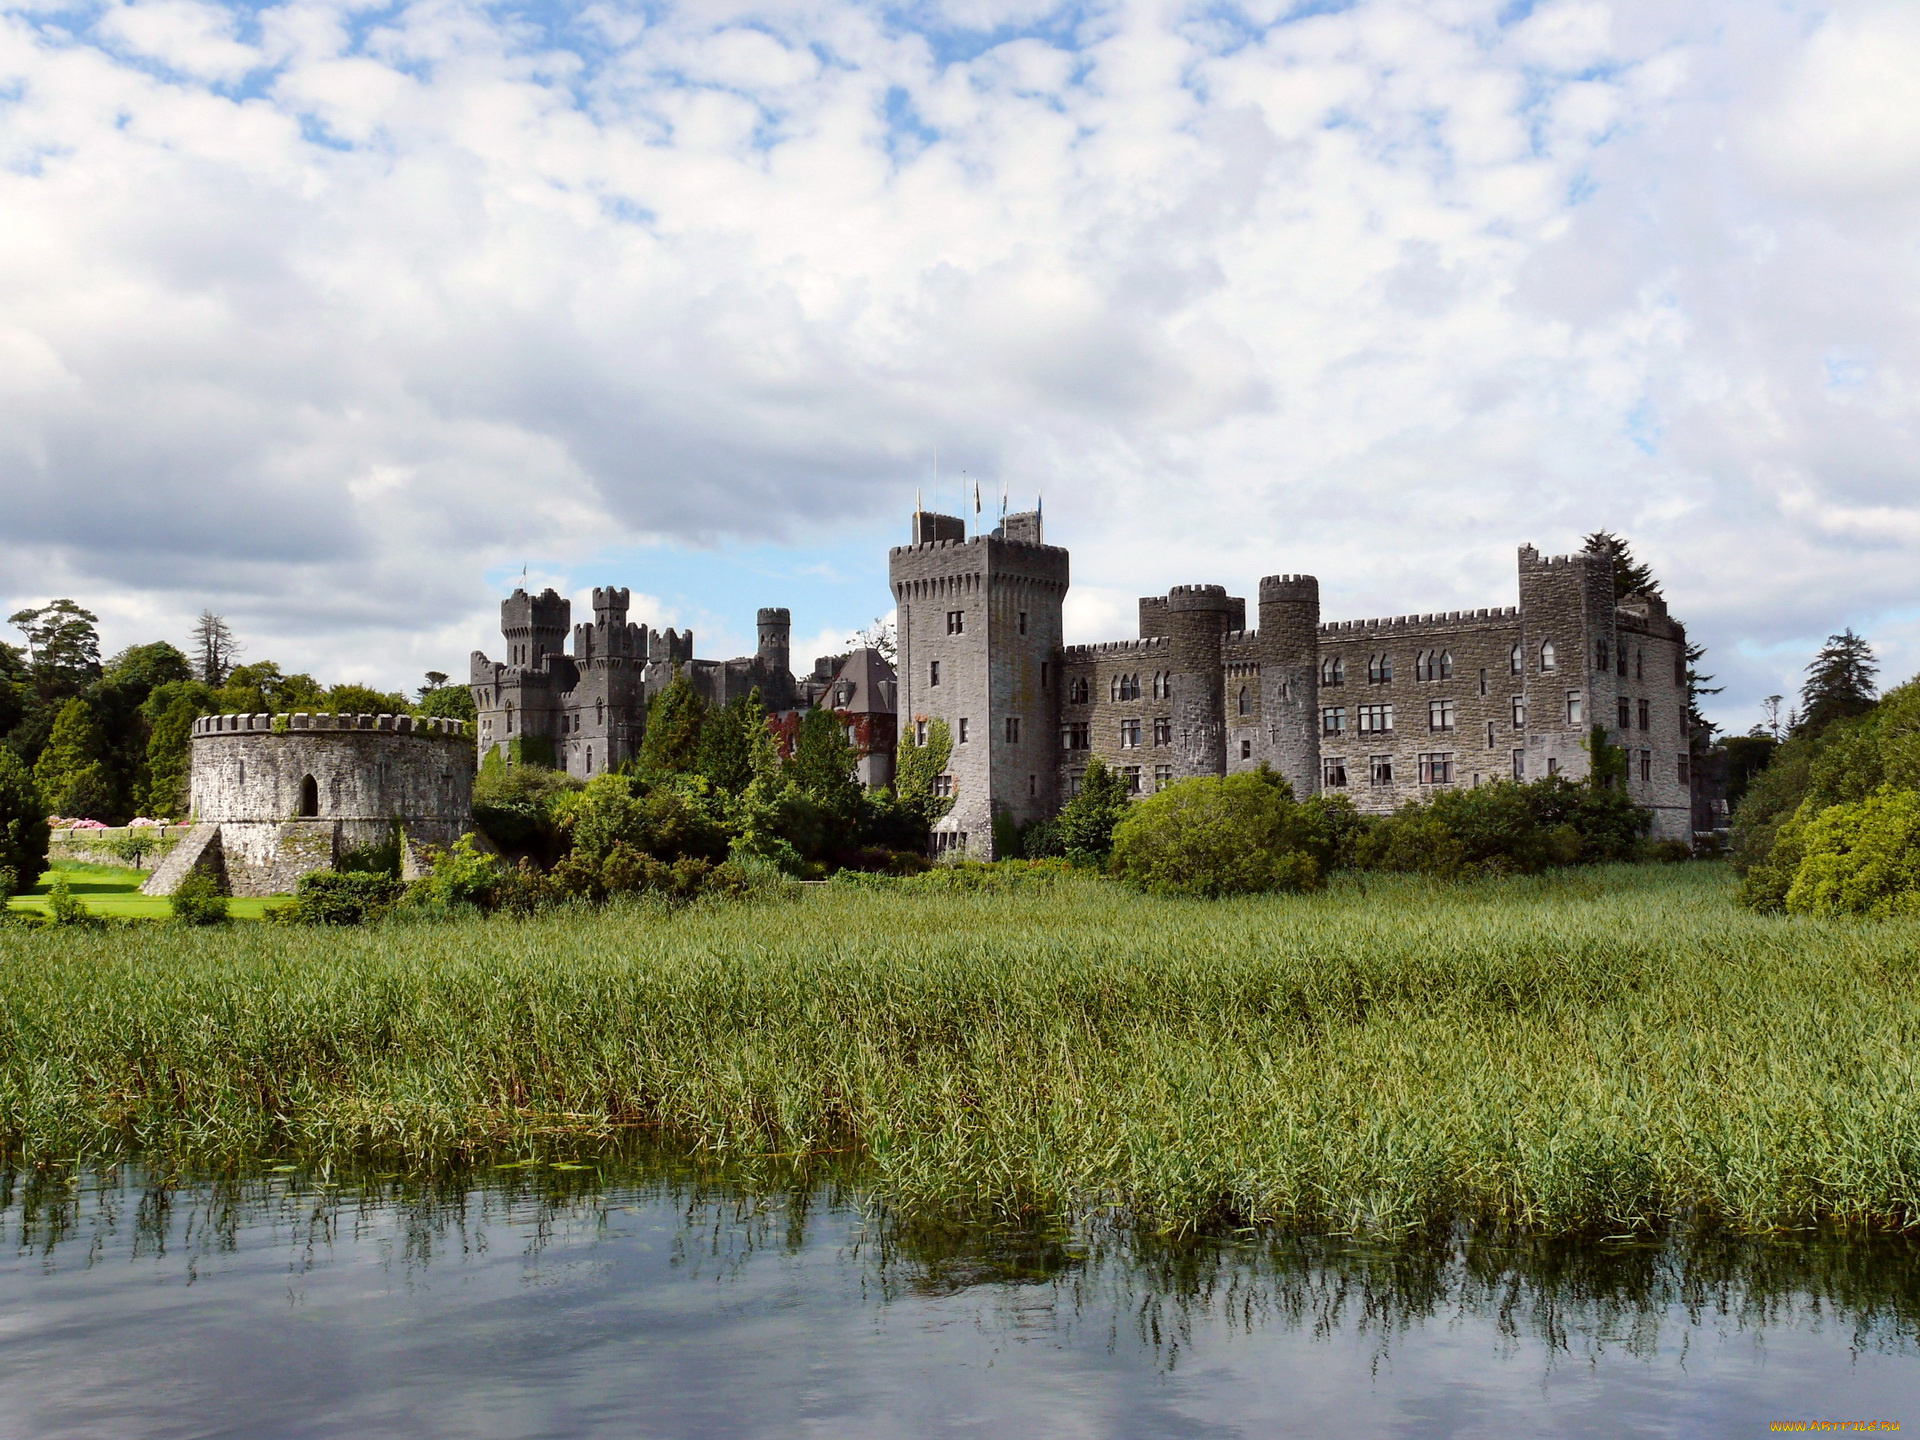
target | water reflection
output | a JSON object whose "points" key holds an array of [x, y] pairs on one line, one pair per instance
{"points": [[570, 1300]]}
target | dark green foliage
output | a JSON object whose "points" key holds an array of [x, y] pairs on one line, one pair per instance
{"points": [[726, 743], [15, 692], [517, 806], [1231, 835], [198, 901], [63, 646], [447, 702], [340, 897], [72, 772], [379, 859], [1747, 756], [1630, 577], [671, 745], [1506, 828], [466, 875], [23, 822], [1086, 822], [1334, 826], [147, 667], [1839, 682], [169, 758]]}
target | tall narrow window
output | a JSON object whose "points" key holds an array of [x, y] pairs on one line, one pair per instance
{"points": [[956, 622], [1446, 664], [1023, 622], [1576, 712], [1549, 657], [1043, 674], [1519, 713], [309, 796], [1013, 729], [1519, 764], [1483, 679], [1246, 705], [933, 672], [963, 730], [1515, 660], [1646, 715], [1602, 657]]}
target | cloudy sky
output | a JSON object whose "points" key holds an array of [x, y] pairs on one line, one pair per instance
{"points": [[335, 315]]}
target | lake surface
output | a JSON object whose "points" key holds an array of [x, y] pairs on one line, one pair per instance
{"points": [[563, 1302]]}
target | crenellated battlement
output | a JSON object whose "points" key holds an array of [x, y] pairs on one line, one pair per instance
{"points": [[1335, 628], [299, 722], [1153, 645]]}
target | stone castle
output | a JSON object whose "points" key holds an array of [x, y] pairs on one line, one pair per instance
{"points": [[1381, 710], [585, 710]]}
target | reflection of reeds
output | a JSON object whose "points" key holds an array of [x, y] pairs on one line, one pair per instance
{"points": [[1614, 1049], [1578, 1295]]}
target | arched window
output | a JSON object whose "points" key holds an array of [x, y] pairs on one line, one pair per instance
{"points": [[1077, 691], [1246, 705], [309, 797], [1446, 664], [1549, 659], [1602, 657], [1515, 659], [1379, 669]]}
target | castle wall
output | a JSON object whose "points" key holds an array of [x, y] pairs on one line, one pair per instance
{"points": [[1110, 715], [370, 774]]}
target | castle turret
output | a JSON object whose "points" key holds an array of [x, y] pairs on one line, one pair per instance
{"points": [[1196, 619], [610, 605], [776, 631], [1289, 649], [534, 626]]}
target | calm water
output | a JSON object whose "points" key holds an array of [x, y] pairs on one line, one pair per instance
{"points": [[542, 1301]]}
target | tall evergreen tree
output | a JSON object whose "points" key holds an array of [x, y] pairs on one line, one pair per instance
{"points": [[1840, 682], [1630, 576], [71, 773], [674, 719]]}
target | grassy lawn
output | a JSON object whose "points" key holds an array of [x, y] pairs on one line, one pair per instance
{"points": [[1621, 1048], [108, 890]]}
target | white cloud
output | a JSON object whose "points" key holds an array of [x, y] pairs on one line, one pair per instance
{"points": [[320, 313]]}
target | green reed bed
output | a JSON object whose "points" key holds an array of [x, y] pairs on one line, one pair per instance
{"points": [[1614, 1048]]}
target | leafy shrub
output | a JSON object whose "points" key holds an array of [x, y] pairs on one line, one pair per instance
{"points": [[340, 897], [62, 907], [1861, 858], [23, 822], [1086, 823], [1505, 828], [652, 819], [516, 806], [468, 875], [1230, 835], [198, 901]]}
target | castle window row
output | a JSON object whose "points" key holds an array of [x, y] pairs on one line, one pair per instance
{"points": [[1433, 665]]}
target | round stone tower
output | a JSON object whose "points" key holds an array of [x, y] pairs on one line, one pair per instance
{"points": [[276, 796], [776, 628], [1290, 677], [1197, 618]]}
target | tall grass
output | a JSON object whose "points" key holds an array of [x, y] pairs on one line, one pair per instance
{"points": [[1615, 1048]]}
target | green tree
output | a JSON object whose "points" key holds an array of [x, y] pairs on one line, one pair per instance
{"points": [[1839, 682], [15, 691], [71, 772], [1086, 822], [169, 755], [823, 763], [671, 745], [1630, 576], [447, 702], [262, 689], [1861, 858], [351, 699], [23, 823], [1225, 835], [144, 668], [726, 742], [63, 645]]}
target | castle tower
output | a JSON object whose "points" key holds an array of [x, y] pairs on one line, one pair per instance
{"points": [[980, 642], [1566, 610], [1196, 620], [534, 626], [776, 631], [1289, 650]]}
